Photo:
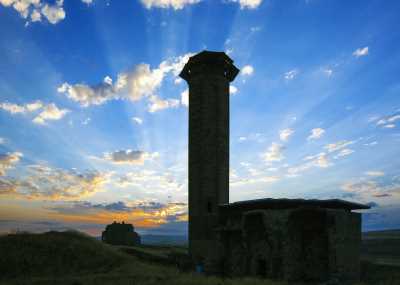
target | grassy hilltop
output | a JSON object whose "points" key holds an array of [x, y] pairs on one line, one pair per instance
{"points": [[76, 259], [73, 258]]}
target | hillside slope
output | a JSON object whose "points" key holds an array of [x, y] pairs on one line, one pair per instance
{"points": [[70, 258], [76, 259]]}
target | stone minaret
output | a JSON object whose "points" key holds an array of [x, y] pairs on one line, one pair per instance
{"points": [[208, 75]]}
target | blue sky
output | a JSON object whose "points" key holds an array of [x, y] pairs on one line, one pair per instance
{"points": [[94, 117]]}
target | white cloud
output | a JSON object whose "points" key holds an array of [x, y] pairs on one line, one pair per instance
{"points": [[373, 118], [316, 134], [13, 108], [389, 126], [328, 72], [42, 111], [185, 98], [7, 2], [8, 160], [322, 161], [158, 104], [371, 143], [36, 16], [344, 152], [257, 137], [338, 145], [291, 74], [245, 164], [178, 80], [248, 4], [375, 173], [233, 174], [2, 140], [87, 95], [150, 180], [134, 85], [274, 153], [23, 7], [232, 90], [141, 82], [175, 4], [255, 29], [54, 14], [36, 10], [285, 134], [387, 122], [31, 107], [361, 52], [256, 176], [137, 157], [247, 70], [393, 118], [50, 112], [361, 187], [137, 120], [243, 181], [108, 80], [319, 160]]}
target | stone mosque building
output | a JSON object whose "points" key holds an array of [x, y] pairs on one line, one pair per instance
{"points": [[290, 239]]}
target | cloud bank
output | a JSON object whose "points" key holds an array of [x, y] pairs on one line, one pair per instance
{"points": [[175, 4], [45, 183], [129, 156], [141, 82], [8, 160], [37, 10], [42, 112]]}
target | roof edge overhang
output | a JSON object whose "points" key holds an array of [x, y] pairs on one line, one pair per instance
{"points": [[270, 203]]}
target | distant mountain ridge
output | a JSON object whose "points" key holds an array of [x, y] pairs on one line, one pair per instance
{"points": [[383, 234], [164, 239]]}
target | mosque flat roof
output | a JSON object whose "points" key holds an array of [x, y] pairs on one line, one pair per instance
{"points": [[270, 203]]}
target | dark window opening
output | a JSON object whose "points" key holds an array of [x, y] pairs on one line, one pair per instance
{"points": [[209, 207], [261, 267]]}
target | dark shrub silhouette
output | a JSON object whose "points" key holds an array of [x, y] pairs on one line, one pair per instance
{"points": [[120, 234]]}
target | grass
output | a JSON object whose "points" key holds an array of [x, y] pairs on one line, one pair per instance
{"points": [[72, 258], [76, 259]]}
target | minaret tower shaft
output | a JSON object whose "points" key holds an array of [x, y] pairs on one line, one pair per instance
{"points": [[208, 75]]}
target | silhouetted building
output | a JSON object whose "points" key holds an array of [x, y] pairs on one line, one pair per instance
{"points": [[208, 74], [292, 239], [120, 234]]}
